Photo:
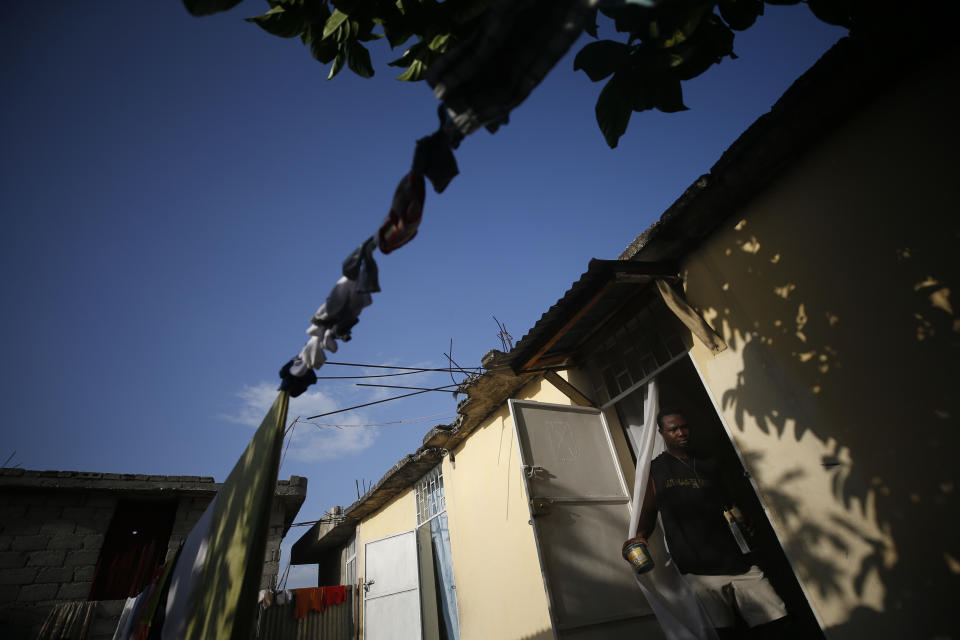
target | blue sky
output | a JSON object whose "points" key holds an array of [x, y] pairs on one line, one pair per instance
{"points": [[178, 194]]}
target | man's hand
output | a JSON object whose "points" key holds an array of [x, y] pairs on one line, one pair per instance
{"points": [[623, 549]]}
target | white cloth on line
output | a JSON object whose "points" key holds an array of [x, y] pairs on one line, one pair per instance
{"points": [[186, 573], [327, 339], [343, 302], [312, 354]]}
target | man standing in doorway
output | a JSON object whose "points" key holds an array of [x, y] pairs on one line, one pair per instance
{"points": [[689, 494]]}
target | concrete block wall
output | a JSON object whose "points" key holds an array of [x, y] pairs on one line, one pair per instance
{"points": [[53, 524]]}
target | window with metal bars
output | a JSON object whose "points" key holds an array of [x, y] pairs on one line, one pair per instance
{"points": [[635, 350], [429, 494]]}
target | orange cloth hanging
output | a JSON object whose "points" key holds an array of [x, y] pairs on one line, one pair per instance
{"points": [[307, 600], [317, 599]]}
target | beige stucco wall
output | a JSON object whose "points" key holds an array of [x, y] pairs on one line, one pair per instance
{"points": [[833, 290], [500, 587], [397, 516], [500, 590]]}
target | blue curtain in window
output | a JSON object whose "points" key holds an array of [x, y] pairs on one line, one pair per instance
{"points": [[443, 566]]}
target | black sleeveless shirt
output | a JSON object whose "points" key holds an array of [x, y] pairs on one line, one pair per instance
{"points": [[691, 500]]}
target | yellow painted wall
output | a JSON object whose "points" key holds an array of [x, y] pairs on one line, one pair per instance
{"points": [[397, 516], [836, 291], [500, 587]]}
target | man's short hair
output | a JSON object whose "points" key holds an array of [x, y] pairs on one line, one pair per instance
{"points": [[667, 411]]}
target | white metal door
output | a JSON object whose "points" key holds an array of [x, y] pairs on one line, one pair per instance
{"points": [[391, 599], [580, 509]]}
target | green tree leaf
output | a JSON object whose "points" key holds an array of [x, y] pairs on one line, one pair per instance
{"points": [[333, 23], [358, 59], [590, 27], [337, 65], [614, 108], [207, 7], [280, 22], [324, 50], [836, 12], [669, 95], [600, 59], [413, 73], [740, 14]]}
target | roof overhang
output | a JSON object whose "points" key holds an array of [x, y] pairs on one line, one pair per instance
{"points": [[601, 292]]}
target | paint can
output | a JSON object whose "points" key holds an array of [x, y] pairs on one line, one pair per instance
{"points": [[637, 554]]}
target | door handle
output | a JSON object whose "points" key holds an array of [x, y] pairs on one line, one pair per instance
{"points": [[532, 471], [366, 585]]}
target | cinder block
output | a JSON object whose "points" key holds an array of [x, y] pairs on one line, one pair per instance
{"points": [[30, 543], [83, 574], [93, 542], [65, 542], [21, 527], [81, 558], [17, 497], [43, 513], [46, 558], [58, 527], [9, 512], [26, 575], [104, 501], [37, 592], [88, 515], [73, 591], [60, 499], [89, 528], [55, 574], [9, 593], [13, 559]]}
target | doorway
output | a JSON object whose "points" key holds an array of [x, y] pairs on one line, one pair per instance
{"points": [[680, 387]]}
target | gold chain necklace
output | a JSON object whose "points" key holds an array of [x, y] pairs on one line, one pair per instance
{"points": [[693, 468]]}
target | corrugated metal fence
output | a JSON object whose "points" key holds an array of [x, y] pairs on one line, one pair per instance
{"points": [[336, 623]]}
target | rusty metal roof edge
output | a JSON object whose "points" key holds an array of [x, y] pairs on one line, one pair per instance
{"points": [[598, 272]]}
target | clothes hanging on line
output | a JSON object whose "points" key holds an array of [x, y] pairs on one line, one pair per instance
{"points": [[296, 376], [403, 219], [489, 74], [317, 599], [342, 309], [326, 337], [361, 266]]}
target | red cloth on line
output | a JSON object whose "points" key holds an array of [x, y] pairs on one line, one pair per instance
{"points": [[317, 599], [334, 595]]}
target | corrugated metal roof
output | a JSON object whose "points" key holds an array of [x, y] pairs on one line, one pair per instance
{"points": [[602, 290]]}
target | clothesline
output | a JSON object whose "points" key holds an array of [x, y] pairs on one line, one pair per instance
{"points": [[445, 388], [435, 416], [368, 404], [414, 369], [382, 375]]}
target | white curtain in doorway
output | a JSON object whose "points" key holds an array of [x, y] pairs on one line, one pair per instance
{"points": [[677, 608]]}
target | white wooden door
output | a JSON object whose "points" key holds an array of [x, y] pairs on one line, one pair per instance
{"points": [[391, 599], [580, 509]]}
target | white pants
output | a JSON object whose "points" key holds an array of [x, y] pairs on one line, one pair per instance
{"points": [[751, 593]]}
